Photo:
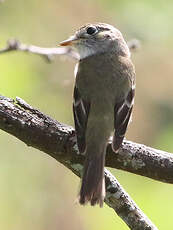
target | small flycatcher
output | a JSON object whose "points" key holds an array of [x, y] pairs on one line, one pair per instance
{"points": [[103, 100]]}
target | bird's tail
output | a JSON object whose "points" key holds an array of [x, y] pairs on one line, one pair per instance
{"points": [[93, 183]]}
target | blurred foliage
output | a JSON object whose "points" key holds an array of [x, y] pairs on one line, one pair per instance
{"points": [[36, 192]]}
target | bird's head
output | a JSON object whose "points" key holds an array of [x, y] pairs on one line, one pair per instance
{"points": [[97, 38]]}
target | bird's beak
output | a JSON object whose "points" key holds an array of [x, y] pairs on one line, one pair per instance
{"points": [[69, 42]]}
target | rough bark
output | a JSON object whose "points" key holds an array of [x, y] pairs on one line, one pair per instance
{"points": [[59, 141]]}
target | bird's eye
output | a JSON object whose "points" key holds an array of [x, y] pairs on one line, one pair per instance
{"points": [[91, 30]]}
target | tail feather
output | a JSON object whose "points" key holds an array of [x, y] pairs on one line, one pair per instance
{"points": [[93, 184]]}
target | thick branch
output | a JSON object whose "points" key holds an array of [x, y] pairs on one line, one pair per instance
{"points": [[132, 157], [59, 141], [142, 160]]}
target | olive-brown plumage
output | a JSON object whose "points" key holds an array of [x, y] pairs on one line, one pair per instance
{"points": [[103, 100]]}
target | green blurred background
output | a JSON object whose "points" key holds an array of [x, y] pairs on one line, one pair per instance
{"points": [[38, 193]]}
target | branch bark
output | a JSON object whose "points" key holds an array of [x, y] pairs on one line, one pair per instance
{"points": [[59, 141]]}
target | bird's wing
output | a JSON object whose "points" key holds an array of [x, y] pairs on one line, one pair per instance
{"points": [[80, 111], [122, 114]]}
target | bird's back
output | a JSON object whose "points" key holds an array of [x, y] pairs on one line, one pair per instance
{"points": [[92, 79]]}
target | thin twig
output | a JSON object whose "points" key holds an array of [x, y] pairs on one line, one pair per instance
{"points": [[134, 44], [50, 53]]}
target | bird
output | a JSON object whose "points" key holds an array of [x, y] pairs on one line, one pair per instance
{"points": [[103, 100]]}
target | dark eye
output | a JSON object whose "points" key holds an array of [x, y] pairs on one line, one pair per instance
{"points": [[91, 30]]}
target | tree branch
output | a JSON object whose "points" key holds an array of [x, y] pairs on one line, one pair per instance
{"points": [[59, 141], [50, 53], [142, 160]]}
